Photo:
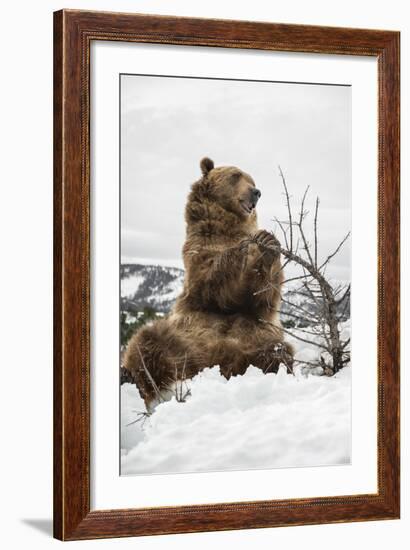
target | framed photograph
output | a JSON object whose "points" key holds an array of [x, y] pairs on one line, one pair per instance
{"points": [[226, 275]]}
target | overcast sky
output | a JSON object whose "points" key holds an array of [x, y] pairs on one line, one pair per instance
{"points": [[168, 124]]}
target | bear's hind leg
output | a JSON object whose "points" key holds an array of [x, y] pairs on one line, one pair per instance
{"points": [[158, 358]]}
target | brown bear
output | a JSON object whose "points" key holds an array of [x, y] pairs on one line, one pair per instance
{"points": [[228, 312]]}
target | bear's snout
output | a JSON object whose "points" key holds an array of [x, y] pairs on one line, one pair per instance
{"points": [[255, 196]]}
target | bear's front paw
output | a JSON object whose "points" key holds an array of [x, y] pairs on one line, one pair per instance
{"points": [[268, 244]]}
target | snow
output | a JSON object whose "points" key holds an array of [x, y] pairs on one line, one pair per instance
{"points": [[152, 289], [252, 421], [130, 285], [171, 291]]}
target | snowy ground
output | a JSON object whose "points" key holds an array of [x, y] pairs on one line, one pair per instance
{"points": [[252, 421]]}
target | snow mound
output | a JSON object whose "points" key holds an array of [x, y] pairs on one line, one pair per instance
{"points": [[252, 421]]}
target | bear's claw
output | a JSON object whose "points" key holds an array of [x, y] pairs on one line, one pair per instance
{"points": [[268, 243]]}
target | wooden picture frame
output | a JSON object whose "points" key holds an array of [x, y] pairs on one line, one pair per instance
{"points": [[74, 32]]}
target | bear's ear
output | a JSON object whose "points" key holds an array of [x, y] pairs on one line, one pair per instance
{"points": [[206, 165]]}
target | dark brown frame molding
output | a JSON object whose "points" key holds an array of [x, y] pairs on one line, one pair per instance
{"points": [[73, 33]]}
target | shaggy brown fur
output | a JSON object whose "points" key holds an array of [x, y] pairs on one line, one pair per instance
{"points": [[227, 314]]}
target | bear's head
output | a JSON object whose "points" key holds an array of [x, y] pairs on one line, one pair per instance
{"points": [[230, 188]]}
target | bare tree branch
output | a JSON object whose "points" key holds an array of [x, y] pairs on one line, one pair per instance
{"points": [[315, 225], [316, 284], [345, 294], [321, 317], [302, 214], [316, 344], [298, 307], [283, 230], [298, 278], [336, 251], [289, 207], [152, 381], [293, 335], [294, 316]]}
